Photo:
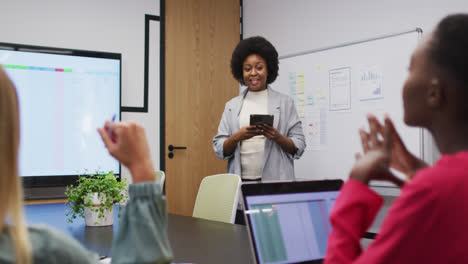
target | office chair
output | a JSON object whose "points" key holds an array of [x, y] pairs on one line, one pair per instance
{"points": [[217, 198], [160, 177]]}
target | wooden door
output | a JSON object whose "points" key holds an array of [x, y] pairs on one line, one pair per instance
{"points": [[200, 38]]}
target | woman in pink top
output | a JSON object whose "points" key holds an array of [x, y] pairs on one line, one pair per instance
{"points": [[428, 223]]}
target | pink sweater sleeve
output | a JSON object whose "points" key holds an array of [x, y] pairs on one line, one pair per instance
{"points": [[353, 213], [406, 235]]}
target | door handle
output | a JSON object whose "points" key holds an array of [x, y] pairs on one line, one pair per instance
{"points": [[171, 147]]}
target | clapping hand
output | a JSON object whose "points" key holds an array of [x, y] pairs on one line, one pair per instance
{"points": [[401, 159], [377, 148]]}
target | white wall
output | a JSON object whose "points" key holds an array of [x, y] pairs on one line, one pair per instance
{"points": [[101, 25], [301, 25]]}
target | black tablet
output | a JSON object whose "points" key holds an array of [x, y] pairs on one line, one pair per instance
{"points": [[261, 119]]}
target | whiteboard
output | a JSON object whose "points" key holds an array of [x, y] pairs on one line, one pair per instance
{"points": [[335, 87]]}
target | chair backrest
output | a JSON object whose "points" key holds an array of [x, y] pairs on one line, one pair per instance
{"points": [[217, 198], [160, 177]]}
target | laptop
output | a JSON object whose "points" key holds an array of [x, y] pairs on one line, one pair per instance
{"points": [[288, 222]]}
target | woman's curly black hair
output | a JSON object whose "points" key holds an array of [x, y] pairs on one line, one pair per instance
{"points": [[254, 45], [449, 50], [449, 46]]}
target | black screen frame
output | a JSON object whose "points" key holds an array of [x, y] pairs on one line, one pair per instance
{"points": [[60, 181], [272, 188]]}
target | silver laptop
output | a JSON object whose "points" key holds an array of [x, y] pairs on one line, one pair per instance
{"points": [[288, 222]]}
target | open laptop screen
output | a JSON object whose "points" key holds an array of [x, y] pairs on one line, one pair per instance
{"points": [[290, 227]]}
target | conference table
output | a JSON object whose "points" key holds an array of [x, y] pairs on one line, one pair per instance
{"points": [[193, 240]]}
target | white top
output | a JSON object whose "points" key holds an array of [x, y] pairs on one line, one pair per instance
{"points": [[252, 149]]}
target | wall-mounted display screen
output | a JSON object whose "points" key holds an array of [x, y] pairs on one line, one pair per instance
{"points": [[64, 96]]}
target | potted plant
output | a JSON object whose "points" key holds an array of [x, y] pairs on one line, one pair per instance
{"points": [[93, 198]]}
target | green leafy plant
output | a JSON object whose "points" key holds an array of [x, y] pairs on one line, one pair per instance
{"points": [[101, 183]]}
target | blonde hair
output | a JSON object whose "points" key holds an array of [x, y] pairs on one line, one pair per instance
{"points": [[11, 191]]}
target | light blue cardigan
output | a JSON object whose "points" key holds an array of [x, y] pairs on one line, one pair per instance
{"points": [[277, 163], [142, 236]]}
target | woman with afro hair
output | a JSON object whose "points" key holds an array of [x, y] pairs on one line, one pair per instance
{"points": [[262, 152]]}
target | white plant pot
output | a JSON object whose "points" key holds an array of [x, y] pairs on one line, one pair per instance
{"points": [[92, 218]]}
